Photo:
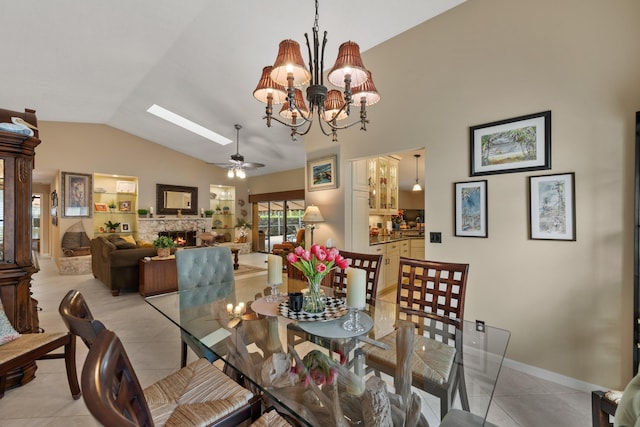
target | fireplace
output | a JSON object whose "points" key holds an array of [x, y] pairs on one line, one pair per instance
{"points": [[181, 238]]}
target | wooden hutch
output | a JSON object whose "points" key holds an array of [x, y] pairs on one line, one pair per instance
{"points": [[17, 154]]}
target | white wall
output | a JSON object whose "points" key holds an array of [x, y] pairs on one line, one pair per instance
{"points": [[567, 304]]}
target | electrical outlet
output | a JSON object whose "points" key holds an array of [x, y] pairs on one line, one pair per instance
{"points": [[435, 237]]}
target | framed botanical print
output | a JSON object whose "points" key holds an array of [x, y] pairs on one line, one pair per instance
{"points": [[471, 209], [552, 212], [513, 145]]}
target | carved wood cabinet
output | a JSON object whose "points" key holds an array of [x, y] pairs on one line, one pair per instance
{"points": [[17, 154]]}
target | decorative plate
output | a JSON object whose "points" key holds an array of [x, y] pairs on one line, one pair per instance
{"points": [[217, 223], [335, 308], [243, 212], [241, 202]]}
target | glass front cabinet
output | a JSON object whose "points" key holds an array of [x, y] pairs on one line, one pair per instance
{"points": [[17, 152]]}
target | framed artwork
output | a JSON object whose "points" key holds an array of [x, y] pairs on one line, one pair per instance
{"points": [[513, 145], [54, 199], [471, 209], [125, 187], [100, 207], [552, 207], [77, 191], [322, 174], [125, 227], [124, 206]]}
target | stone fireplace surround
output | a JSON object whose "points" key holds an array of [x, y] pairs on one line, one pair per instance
{"points": [[149, 228]]}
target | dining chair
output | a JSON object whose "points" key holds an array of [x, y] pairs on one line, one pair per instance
{"points": [[431, 295], [77, 316], [197, 395], [209, 268]]}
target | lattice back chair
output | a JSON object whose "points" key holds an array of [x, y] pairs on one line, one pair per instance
{"points": [[295, 274], [431, 295], [199, 394], [371, 263], [209, 269], [75, 313]]}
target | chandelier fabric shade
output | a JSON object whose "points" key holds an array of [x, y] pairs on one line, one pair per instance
{"points": [[289, 60], [348, 66], [282, 83], [267, 87]]}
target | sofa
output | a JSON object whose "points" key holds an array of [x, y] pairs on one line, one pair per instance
{"points": [[114, 261]]}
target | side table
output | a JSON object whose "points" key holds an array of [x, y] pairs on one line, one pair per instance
{"points": [[157, 276]]}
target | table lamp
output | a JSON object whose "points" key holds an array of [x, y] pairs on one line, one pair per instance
{"points": [[312, 216]]}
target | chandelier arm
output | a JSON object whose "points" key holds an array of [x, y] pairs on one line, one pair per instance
{"points": [[291, 125], [306, 36], [324, 44]]}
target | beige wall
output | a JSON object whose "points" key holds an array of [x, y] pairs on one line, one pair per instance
{"points": [[567, 304], [275, 182]]}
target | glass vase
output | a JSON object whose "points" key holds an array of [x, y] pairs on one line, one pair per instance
{"points": [[313, 302]]}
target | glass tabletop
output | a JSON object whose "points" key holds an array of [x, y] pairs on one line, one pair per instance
{"points": [[267, 351]]}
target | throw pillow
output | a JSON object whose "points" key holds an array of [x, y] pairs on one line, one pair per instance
{"points": [[7, 333], [143, 244], [123, 244], [129, 239]]}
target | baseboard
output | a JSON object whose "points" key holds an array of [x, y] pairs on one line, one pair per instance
{"points": [[552, 376]]}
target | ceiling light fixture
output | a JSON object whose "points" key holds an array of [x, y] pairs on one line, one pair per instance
{"points": [[187, 124], [416, 186], [279, 84], [236, 165]]}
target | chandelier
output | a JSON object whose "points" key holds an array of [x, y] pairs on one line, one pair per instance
{"points": [[281, 83]]}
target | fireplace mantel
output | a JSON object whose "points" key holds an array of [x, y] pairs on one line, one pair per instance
{"points": [[148, 228]]}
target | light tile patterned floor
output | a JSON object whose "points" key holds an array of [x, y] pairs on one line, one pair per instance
{"points": [[153, 344]]}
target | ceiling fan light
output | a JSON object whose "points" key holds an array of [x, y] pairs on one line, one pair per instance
{"points": [[240, 174], [230, 173], [332, 105], [266, 86], [289, 60], [350, 63], [367, 90]]}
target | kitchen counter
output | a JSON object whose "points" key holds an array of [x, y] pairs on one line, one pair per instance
{"points": [[396, 236]]}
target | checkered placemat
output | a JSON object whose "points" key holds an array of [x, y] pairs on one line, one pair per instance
{"points": [[335, 308]]}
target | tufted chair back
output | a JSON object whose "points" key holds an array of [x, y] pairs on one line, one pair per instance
{"points": [[209, 271]]}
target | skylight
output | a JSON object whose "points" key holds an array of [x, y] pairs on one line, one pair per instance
{"points": [[187, 124]]}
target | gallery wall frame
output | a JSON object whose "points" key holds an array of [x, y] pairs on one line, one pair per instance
{"points": [[552, 212], [77, 190], [471, 212], [322, 174], [518, 144]]}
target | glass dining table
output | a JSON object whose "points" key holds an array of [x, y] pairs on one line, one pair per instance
{"points": [[284, 356]]}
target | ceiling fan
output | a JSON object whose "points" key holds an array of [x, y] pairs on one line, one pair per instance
{"points": [[236, 165]]}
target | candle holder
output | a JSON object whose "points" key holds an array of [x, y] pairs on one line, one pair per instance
{"points": [[353, 323], [275, 295]]}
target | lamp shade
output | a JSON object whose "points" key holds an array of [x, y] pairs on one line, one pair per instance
{"points": [[348, 62], [266, 86], [333, 104], [287, 113], [289, 60], [312, 214], [367, 90]]}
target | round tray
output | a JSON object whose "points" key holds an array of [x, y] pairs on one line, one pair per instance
{"points": [[335, 308]]}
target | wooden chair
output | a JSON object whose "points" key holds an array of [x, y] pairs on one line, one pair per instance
{"points": [[77, 317], [431, 295], [603, 406], [196, 395], [371, 263]]}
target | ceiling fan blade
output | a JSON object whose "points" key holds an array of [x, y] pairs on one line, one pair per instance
{"points": [[251, 165]]}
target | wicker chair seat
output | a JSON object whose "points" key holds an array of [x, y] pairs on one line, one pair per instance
{"points": [[432, 360], [271, 419], [197, 394], [26, 343]]}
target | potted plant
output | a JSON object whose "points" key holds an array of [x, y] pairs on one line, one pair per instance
{"points": [[112, 226], [164, 244], [208, 213], [143, 212], [112, 205]]}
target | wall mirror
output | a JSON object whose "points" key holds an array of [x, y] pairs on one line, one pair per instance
{"points": [[170, 198]]}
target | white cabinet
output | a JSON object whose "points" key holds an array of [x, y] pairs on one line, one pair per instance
{"points": [[405, 248], [388, 276], [417, 248], [383, 185]]}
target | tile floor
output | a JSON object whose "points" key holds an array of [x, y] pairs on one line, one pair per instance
{"points": [[520, 400]]}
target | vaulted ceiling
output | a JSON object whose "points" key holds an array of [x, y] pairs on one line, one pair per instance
{"points": [[99, 61]]}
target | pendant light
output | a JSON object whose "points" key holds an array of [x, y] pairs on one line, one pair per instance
{"points": [[416, 186]]}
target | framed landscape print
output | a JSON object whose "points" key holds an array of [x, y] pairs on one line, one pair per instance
{"points": [[322, 173], [513, 145], [77, 190], [471, 209], [552, 207]]}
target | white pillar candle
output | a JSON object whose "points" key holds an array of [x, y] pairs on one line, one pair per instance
{"points": [[202, 210], [356, 287], [150, 209], [274, 265], [329, 243]]}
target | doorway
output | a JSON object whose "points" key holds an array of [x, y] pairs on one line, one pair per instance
{"points": [[279, 221]]}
